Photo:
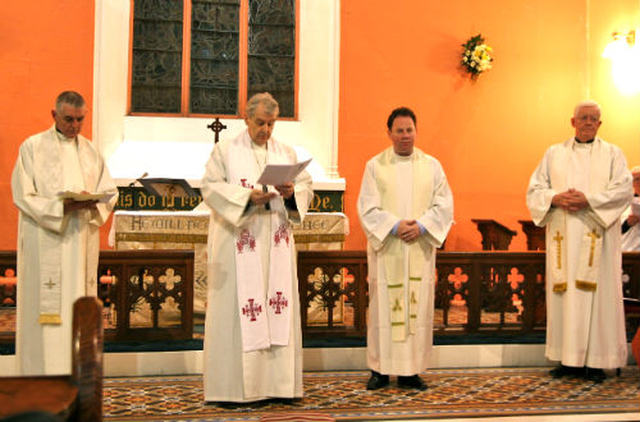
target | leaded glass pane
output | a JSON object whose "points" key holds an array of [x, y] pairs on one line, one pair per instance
{"points": [[272, 48], [157, 56], [214, 56]]}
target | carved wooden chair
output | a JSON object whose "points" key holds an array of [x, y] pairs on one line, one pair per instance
{"points": [[77, 397]]}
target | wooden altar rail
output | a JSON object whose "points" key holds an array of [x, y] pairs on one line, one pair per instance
{"points": [[493, 293], [156, 285]]}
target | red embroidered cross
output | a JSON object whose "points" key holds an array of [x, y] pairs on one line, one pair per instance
{"points": [[245, 238], [278, 302], [252, 310], [281, 234], [245, 184]]}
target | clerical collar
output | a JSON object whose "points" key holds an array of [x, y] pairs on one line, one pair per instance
{"points": [[590, 141], [62, 137], [403, 157]]}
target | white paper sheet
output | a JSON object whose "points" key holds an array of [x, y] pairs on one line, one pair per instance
{"points": [[278, 174]]}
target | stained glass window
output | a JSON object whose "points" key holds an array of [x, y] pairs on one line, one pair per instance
{"points": [[156, 64], [215, 43], [220, 72], [272, 48]]}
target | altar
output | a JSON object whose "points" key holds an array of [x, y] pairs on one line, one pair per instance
{"points": [[159, 220], [320, 231]]}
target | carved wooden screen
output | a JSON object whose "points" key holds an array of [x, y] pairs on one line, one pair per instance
{"points": [[199, 57]]}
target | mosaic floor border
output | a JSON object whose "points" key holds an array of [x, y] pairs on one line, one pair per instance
{"points": [[451, 393]]}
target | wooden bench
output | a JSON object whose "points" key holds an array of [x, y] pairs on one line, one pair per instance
{"points": [[77, 397]]}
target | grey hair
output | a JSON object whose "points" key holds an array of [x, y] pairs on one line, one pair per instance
{"points": [[635, 170], [264, 98], [71, 98], [586, 103]]}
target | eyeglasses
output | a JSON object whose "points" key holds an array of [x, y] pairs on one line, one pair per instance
{"points": [[590, 118]]}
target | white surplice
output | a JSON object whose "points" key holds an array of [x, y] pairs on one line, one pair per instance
{"points": [[49, 163], [230, 374], [631, 238], [410, 356], [584, 328]]}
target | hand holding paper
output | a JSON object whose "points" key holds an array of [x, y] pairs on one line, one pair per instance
{"points": [[74, 201]]}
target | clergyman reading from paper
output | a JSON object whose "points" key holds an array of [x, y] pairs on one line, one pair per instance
{"points": [[64, 192], [253, 340]]}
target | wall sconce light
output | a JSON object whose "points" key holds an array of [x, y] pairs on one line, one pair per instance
{"points": [[621, 44], [625, 61]]}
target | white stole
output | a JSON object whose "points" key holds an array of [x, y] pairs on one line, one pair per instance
{"points": [[63, 170], [265, 320], [592, 236], [393, 251]]}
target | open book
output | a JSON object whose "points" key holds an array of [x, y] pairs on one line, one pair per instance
{"points": [[76, 196], [278, 174]]}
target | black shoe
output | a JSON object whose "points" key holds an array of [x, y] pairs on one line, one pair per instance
{"points": [[565, 371], [289, 401], [596, 375], [414, 381], [377, 381]]}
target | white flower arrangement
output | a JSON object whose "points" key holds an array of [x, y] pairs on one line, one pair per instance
{"points": [[476, 56]]}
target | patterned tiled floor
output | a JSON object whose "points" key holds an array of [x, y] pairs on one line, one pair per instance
{"points": [[451, 393]]}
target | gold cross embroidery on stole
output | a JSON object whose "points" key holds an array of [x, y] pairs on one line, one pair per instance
{"points": [[558, 238], [594, 236]]}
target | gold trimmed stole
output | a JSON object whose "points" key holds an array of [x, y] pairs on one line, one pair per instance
{"points": [[592, 236]]}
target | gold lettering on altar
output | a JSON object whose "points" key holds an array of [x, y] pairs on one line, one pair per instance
{"points": [[319, 203], [125, 200], [594, 236], [558, 238]]}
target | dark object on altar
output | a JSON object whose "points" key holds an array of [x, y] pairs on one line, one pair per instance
{"points": [[535, 235], [170, 188], [495, 236]]}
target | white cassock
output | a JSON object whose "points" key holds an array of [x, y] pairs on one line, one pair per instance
{"points": [[401, 295], [54, 247], [631, 238], [242, 364], [585, 315]]}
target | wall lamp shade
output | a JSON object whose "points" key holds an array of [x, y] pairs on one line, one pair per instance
{"points": [[621, 45]]}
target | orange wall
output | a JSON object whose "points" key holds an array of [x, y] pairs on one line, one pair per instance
{"points": [[47, 47], [489, 134]]}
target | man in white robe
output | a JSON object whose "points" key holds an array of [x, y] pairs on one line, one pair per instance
{"points": [[406, 210], [578, 192], [630, 218], [58, 239], [253, 339]]}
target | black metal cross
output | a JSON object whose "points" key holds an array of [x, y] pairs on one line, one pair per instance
{"points": [[216, 126]]}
